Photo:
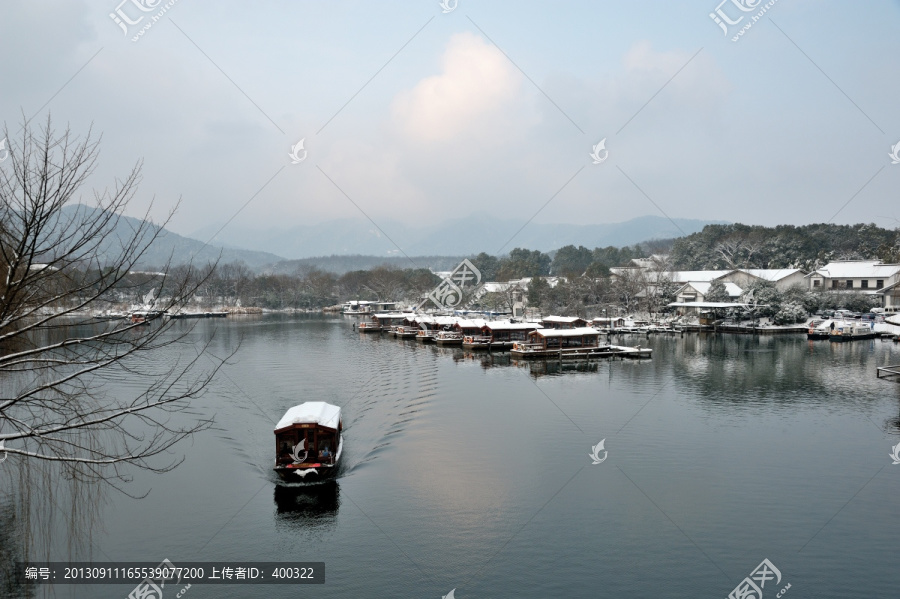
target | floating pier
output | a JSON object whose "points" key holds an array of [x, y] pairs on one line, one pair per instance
{"points": [[889, 372]]}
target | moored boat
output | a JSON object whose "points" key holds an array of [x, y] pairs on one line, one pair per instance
{"points": [[820, 329], [582, 342], [308, 442], [852, 332], [448, 338]]}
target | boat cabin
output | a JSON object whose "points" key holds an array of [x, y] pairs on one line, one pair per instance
{"points": [[308, 437], [563, 322], [469, 327], [564, 338], [509, 331]]}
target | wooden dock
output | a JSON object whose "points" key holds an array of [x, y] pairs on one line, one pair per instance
{"points": [[889, 372]]}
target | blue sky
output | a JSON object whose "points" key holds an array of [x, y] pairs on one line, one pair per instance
{"points": [[411, 114]]}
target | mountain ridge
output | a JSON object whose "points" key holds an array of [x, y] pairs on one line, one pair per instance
{"points": [[452, 237]]}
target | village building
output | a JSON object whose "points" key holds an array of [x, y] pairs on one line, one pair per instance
{"points": [[696, 291], [866, 276]]}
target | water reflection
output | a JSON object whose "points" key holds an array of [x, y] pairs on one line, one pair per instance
{"points": [[313, 505]]}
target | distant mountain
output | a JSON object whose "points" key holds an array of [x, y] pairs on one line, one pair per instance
{"points": [[345, 263], [449, 237], [180, 250]]}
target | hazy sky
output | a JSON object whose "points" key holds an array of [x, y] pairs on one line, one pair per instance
{"points": [[490, 108]]}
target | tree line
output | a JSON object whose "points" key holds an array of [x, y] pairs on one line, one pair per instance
{"points": [[807, 247]]}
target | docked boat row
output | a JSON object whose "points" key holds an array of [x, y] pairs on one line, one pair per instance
{"points": [[551, 337]]}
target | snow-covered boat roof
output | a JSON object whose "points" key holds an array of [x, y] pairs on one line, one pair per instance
{"points": [[475, 323], [577, 332], [562, 319], [512, 326], [319, 412]]}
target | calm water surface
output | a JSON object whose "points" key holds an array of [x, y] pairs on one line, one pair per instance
{"points": [[471, 471]]}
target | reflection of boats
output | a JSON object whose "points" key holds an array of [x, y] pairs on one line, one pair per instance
{"points": [[308, 441], [177, 315], [307, 503]]}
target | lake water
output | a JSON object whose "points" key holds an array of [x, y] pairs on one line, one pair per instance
{"points": [[472, 471]]}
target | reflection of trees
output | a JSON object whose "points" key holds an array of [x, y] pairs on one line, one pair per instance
{"points": [[746, 368], [41, 504]]}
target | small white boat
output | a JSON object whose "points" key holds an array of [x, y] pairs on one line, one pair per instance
{"points": [[308, 442]]}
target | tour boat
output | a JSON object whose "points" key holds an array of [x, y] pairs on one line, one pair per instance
{"points": [[582, 342], [308, 442], [448, 338], [820, 329], [846, 331]]}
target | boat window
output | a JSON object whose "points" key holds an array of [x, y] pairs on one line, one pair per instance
{"points": [[325, 445], [285, 443]]}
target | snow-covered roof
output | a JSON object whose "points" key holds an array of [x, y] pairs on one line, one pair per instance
{"points": [[770, 274], [567, 332], [684, 276], [318, 412], [857, 269], [475, 323], [512, 326], [709, 305], [703, 288], [495, 287], [391, 315], [562, 319]]}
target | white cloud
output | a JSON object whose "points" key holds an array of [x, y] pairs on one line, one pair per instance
{"points": [[475, 84]]}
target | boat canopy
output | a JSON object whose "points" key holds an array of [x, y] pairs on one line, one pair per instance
{"points": [[323, 414], [578, 332], [512, 326]]}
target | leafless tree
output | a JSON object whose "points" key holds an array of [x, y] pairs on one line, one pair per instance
{"points": [[60, 265]]}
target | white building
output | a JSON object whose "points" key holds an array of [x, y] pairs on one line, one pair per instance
{"points": [[867, 276]]}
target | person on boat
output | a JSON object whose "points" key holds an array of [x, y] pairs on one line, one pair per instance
{"points": [[325, 453]]}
